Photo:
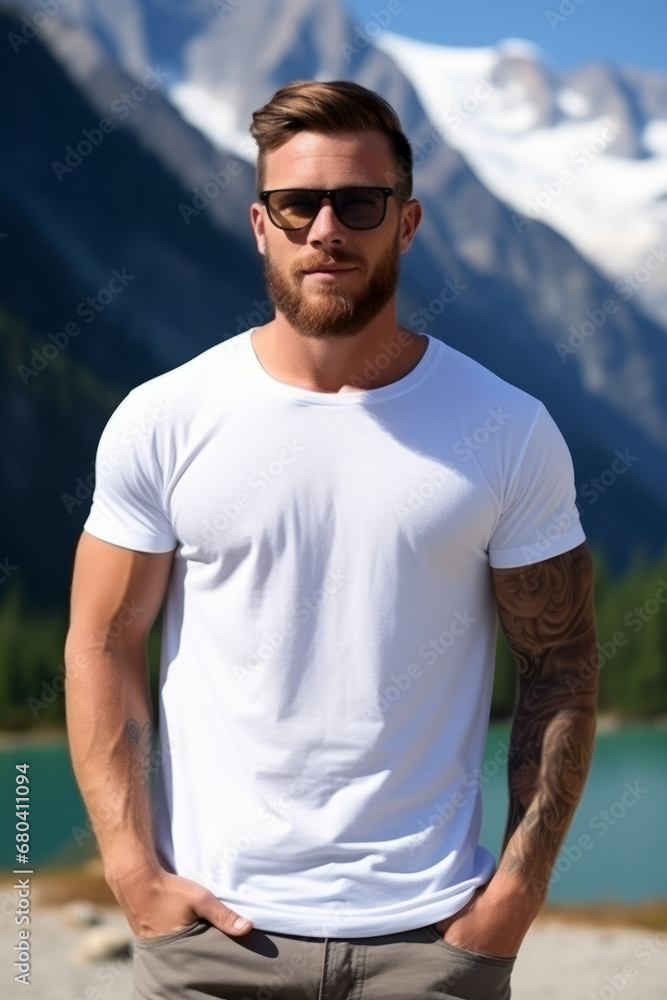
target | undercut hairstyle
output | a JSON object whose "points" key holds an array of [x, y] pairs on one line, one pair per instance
{"points": [[333, 107]]}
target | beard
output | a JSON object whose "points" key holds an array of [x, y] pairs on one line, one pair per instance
{"points": [[326, 311]]}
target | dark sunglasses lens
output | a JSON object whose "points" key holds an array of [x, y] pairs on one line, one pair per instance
{"points": [[293, 209], [360, 208]]}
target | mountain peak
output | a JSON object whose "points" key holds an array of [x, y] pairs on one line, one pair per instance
{"points": [[521, 48]]}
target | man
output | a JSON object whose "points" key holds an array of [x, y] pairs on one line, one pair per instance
{"points": [[334, 510]]}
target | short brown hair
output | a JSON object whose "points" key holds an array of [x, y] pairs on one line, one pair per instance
{"points": [[331, 107]]}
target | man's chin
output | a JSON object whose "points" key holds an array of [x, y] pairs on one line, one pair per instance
{"points": [[322, 324], [324, 309], [323, 312]]}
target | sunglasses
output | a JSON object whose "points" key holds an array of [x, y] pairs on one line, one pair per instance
{"points": [[355, 207]]}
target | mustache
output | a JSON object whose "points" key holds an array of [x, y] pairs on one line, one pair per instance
{"points": [[310, 265]]}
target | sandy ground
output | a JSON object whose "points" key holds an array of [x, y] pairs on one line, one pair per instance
{"points": [[561, 958]]}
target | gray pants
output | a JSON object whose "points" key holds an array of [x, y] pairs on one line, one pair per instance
{"points": [[202, 961]]}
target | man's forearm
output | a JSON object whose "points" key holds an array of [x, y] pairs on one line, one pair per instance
{"points": [[548, 618], [547, 773], [109, 731]]}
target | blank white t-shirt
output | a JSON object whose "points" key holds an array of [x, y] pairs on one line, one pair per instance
{"points": [[329, 627]]}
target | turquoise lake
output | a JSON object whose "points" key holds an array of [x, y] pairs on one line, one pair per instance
{"points": [[615, 850]]}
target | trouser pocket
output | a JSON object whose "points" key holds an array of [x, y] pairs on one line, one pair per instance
{"points": [[472, 975]]}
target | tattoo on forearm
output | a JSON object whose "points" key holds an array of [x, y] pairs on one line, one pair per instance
{"points": [[546, 612], [135, 732], [140, 740]]}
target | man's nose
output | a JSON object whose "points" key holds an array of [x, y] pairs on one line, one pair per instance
{"points": [[326, 229]]}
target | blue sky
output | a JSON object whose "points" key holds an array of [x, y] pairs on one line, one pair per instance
{"points": [[625, 32]]}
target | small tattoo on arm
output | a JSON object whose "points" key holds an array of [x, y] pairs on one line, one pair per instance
{"points": [[140, 737], [135, 733]]}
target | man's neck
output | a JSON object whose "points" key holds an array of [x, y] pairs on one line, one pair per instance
{"points": [[374, 358]]}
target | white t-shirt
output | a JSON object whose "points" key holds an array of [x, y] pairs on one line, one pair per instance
{"points": [[329, 628]]}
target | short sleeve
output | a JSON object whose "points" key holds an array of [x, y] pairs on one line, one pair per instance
{"points": [[128, 507], [539, 517]]}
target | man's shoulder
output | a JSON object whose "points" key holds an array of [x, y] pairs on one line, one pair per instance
{"points": [[210, 375], [476, 388]]}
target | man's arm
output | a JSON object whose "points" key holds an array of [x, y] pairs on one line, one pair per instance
{"points": [[116, 596], [546, 612], [547, 615]]}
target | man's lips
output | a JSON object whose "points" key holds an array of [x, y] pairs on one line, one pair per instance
{"points": [[329, 269]]}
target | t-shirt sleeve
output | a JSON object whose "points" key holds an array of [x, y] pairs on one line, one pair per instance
{"points": [[128, 507], [539, 517]]}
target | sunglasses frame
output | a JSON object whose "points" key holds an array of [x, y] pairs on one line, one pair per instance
{"points": [[385, 191]]}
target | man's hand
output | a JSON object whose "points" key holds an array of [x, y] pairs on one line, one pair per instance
{"points": [[158, 902], [493, 923]]}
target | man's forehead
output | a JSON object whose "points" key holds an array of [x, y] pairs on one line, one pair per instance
{"points": [[315, 159]]}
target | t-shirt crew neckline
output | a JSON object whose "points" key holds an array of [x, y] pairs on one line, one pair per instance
{"points": [[422, 369]]}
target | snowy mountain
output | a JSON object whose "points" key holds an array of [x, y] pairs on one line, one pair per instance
{"points": [[531, 307], [584, 151]]}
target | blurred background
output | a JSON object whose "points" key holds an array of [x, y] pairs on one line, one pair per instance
{"points": [[540, 145]]}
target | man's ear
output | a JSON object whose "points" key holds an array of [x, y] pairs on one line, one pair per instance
{"points": [[410, 223], [257, 223]]}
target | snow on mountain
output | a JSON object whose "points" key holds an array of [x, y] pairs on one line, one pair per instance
{"points": [[215, 117], [537, 140]]}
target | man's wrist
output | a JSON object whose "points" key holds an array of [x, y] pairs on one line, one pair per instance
{"points": [[131, 869], [517, 894], [496, 919]]}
